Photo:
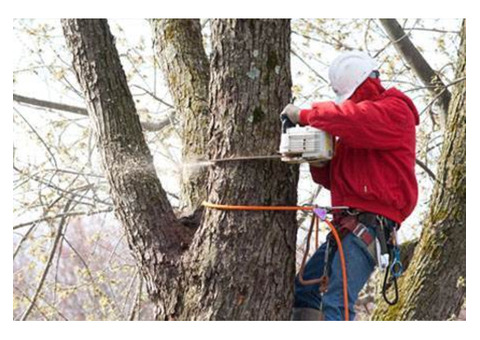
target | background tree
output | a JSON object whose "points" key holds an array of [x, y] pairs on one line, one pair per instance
{"points": [[434, 285]]}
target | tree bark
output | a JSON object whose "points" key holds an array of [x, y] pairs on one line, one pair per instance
{"points": [[243, 265], [434, 285], [239, 265], [185, 67], [417, 62], [154, 235]]}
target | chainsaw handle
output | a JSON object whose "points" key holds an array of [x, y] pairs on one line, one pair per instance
{"points": [[286, 123]]}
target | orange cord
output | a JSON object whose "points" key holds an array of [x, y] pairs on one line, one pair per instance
{"points": [[315, 217], [344, 269], [255, 207]]}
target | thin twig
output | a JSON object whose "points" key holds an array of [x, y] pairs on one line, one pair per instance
{"points": [[151, 94], [309, 67], [89, 273], [426, 169], [58, 235], [62, 215], [52, 156], [61, 190], [44, 300], [135, 311], [129, 289]]}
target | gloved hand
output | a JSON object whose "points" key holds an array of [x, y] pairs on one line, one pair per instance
{"points": [[292, 112]]}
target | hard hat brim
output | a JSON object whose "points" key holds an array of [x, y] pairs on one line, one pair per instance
{"points": [[342, 98]]}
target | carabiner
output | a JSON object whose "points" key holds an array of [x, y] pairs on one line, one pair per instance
{"points": [[396, 268]]}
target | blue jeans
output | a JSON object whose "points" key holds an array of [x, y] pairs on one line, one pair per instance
{"points": [[360, 264]]}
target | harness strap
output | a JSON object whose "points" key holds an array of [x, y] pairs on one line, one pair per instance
{"points": [[362, 232], [356, 224]]}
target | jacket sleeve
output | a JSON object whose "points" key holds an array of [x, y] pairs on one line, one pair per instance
{"points": [[368, 124], [321, 175]]}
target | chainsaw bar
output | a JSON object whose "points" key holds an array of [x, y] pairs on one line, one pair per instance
{"points": [[244, 158]]}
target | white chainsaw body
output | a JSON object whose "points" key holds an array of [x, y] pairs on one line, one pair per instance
{"points": [[301, 144]]}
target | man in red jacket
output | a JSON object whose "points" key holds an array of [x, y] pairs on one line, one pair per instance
{"points": [[372, 172]]}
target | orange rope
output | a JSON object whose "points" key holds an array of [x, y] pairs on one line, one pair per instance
{"points": [[255, 207], [315, 220], [344, 269]]}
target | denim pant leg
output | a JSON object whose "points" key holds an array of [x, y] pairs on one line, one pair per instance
{"points": [[360, 266], [309, 296]]}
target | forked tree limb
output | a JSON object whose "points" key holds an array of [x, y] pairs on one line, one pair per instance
{"points": [[154, 235]]}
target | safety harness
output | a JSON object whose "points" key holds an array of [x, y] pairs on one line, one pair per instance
{"points": [[382, 244]]}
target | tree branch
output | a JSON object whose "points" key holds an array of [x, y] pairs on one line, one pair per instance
{"points": [[154, 235], [53, 250], [417, 62], [62, 215], [186, 69], [426, 169], [45, 104]]}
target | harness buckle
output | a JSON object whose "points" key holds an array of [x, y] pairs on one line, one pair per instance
{"points": [[359, 230]]}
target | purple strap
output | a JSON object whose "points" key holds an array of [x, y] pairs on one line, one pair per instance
{"points": [[321, 213]]}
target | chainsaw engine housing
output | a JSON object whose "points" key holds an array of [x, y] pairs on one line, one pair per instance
{"points": [[301, 144]]}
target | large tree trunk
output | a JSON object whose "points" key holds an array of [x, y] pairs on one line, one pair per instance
{"points": [[154, 235], [240, 265], [185, 67], [434, 285], [243, 263]]}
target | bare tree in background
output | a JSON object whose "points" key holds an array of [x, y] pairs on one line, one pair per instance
{"points": [[434, 285]]}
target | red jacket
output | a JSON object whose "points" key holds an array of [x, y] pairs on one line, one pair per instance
{"points": [[373, 168]]}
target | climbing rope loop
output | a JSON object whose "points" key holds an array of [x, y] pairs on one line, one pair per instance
{"points": [[319, 214]]}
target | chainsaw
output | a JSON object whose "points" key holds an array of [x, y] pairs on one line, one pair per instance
{"points": [[298, 144]]}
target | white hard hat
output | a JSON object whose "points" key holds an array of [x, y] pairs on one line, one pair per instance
{"points": [[348, 71]]}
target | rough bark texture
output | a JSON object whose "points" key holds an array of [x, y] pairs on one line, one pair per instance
{"points": [[243, 263], [185, 67], [434, 285], [240, 265], [154, 235]]}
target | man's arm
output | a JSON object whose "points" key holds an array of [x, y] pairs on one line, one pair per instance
{"points": [[374, 125]]}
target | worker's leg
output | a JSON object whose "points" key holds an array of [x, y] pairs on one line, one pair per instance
{"points": [[360, 264], [309, 296]]}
